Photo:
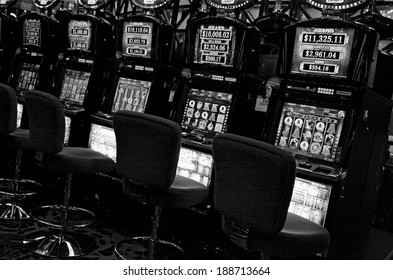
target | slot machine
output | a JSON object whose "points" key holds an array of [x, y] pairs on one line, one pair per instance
{"points": [[141, 77], [324, 112], [8, 30], [87, 52], [217, 82], [37, 47]]}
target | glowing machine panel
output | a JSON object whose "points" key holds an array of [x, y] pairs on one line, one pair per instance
{"points": [[215, 45], [74, 86], [195, 165], [32, 32], [206, 112], [310, 131], [137, 39], [131, 95], [322, 51], [102, 139], [28, 77], [310, 200], [80, 35]]}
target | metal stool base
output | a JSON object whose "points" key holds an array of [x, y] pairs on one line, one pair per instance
{"points": [[25, 187], [52, 216], [55, 246], [137, 248], [13, 211]]}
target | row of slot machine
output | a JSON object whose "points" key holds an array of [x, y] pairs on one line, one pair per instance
{"points": [[318, 106]]}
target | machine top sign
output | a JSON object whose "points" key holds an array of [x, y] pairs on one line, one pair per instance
{"points": [[230, 4], [337, 5], [151, 4], [45, 4], [93, 4], [7, 3]]}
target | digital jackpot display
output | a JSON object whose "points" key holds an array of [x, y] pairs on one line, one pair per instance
{"points": [[322, 51], [206, 112], [310, 131], [131, 95], [137, 39], [80, 35], [28, 77], [32, 32], [74, 86], [215, 45]]}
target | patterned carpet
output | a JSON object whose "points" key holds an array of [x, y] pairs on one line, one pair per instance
{"points": [[99, 241]]}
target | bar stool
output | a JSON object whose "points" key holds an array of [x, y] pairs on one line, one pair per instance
{"points": [[252, 191], [17, 188], [47, 128], [148, 150]]}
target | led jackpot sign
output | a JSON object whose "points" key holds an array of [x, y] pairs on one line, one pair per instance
{"points": [[79, 35], [322, 51], [137, 39], [215, 45], [32, 32]]}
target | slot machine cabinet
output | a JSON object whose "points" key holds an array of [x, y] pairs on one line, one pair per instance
{"points": [[325, 113], [38, 46], [8, 38], [141, 77], [87, 53], [221, 62]]}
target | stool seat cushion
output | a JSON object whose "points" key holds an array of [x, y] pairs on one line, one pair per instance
{"points": [[78, 160], [19, 139], [299, 237], [184, 192]]}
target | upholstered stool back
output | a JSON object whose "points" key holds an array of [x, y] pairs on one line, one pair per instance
{"points": [[46, 122], [152, 157], [8, 110], [253, 182]]}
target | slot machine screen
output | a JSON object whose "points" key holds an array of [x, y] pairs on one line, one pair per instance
{"points": [[19, 115], [322, 51], [28, 77], [215, 45], [310, 131], [74, 86], [103, 139], [310, 200], [67, 130], [137, 39], [206, 112], [131, 95], [32, 32], [195, 165], [80, 35]]}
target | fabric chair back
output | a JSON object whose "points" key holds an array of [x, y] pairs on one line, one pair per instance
{"points": [[148, 148], [253, 182], [8, 110], [46, 121]]}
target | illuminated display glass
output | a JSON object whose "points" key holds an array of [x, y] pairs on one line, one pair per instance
{"points": [[229, 4], [310, 131], [19, 115], [195, 165], [45, 4], [322, 51], [28, 77], [67, 130], [80, 35], [74, 86], [103, 139], [206, 112], [215, 45], [137, 39], [310, 200], [338, 5], [92, 4], [131, 95], [32, 32], [151, 4]]}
